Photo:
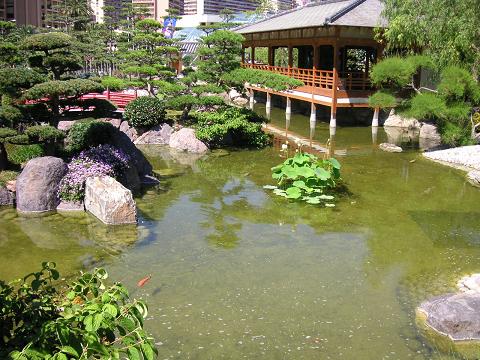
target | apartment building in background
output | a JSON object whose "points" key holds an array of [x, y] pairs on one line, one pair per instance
{"points": [[27, 12]]}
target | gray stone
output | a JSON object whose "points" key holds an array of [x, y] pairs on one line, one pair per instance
{"points": [[396, 120], [131, 132], [240, 101], [159, 135], [473, 178], [7, 198], [390, 148], [111, 202], [233, 94], [115, 122], [65, 125], [452, 323], [185, 140], [37, 185], [429, 137], [398, 135]]}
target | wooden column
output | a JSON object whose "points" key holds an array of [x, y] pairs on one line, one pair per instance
{"points": [[253, 55], [316, 56], [270, 55], [333, 115], [243, 55]]}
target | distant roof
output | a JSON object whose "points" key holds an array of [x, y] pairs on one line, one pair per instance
{"points": [[365, 13]]}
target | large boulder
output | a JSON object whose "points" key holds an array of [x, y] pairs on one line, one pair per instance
{"points": [[7, 198], [37, 185], [396, 120], [473, 177], [65, 125], [159, 135], [452, 323], [185, 140], [429, 137], [110, 201]]}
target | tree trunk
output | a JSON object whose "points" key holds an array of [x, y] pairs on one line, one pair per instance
{"points": [[186, 111], [3, 157], [55, 111]]}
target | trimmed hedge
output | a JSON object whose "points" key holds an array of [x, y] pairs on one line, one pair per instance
{"points": [[87, 133], [145, 112]]}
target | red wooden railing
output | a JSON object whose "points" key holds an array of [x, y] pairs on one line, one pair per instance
{"points": [[322, 79], [118, 98]]}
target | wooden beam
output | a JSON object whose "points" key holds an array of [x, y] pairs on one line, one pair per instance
{"points": [[253, 54], [290, 56]]}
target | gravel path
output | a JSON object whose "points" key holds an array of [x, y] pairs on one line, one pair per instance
{"points": [[465, 157]]}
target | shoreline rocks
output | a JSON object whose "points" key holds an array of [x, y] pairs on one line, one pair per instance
{"points": [[158, 135], [37, 185], [110, 201], [463, 157], [395, 120], [7, 198], [473, 177]]}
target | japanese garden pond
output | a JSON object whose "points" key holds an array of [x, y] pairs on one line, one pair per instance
{"points": [[240, 273]]}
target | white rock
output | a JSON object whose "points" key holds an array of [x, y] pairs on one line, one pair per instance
{"points": [[473, 178], [233, 94], [65, 125], [429, 137], [185, 140], [390, 147], [460, 157], [469, 283], [399, 121], [110, 201]]}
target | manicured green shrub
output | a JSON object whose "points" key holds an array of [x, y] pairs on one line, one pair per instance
{"points": [[458, 84], [7, 132], [10, 115], [113, 83], [6, 176], [455, 135], [36, 113], [145, 112], [86, 319], [239, 127], [88, 133], [427, 106], [20, 154], [44, 134], [382, 99], [102, 107], [19, 139]]}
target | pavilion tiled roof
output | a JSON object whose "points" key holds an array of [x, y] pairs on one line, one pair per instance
{"points": [[363, 13]]}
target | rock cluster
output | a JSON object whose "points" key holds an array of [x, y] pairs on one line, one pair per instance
{"points": [[460, 157], [473, 178], [395, 120], [185, 140]]}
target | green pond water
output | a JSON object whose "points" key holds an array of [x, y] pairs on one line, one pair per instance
{"points": [[240, 274]]}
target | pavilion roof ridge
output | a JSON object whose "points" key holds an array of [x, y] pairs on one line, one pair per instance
{"points": [[343, 11], [282, 13]]}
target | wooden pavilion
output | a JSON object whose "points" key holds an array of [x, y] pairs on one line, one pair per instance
{"points": [[329, 45]]}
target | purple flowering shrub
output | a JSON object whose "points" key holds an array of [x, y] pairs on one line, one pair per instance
{"points": [[97, 161]]}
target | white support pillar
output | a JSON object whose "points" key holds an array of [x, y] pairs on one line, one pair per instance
{"points": [[268, 112], [333, 119], [313, 116], [252, 99], [374, 134], [375, 117], [288, 110], [269, 101], [333, 131]]}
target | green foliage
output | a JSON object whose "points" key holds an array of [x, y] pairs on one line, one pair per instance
{"points": [[113, 83], [10, 115], [56, 88], [20, 154], [35, 113], [382, 99], [19, 139], [7, 132], [44, 134], [218, 54], [14, 81], [305, 177], [454, 135], [237, 78], [89, 320], [47, 41], [88, 133], [427, 106], [234, 126], [145, 112], [458, 84], [443, 29], [101, 107], [392, 72], [5, 177]]}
